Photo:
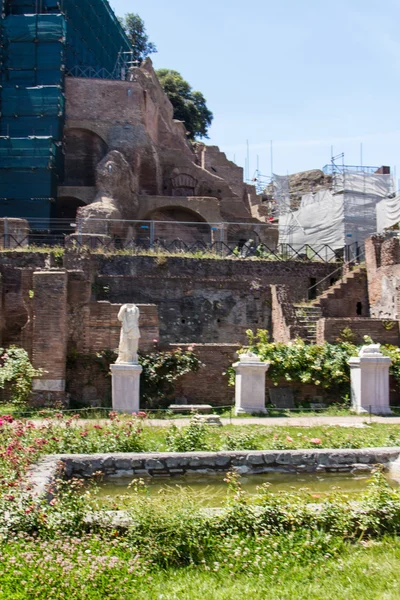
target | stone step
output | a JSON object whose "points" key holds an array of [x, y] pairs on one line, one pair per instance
{"points": [[309, 319]]}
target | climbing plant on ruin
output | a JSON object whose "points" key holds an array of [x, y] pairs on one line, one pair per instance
{"points": [[324, 365]]}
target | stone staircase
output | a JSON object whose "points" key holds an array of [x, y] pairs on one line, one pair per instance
{"points": [[307, 317], [335, 298]]}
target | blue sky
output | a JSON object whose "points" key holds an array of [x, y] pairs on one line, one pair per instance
{"points": [[306, 74]]}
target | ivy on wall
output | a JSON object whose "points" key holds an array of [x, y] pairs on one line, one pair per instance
{"points": [[324, 365], [161, 370]]}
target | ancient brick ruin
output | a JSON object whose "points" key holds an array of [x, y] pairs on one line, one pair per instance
{"points": [[127, 158], [107, 159], [63, 311]]}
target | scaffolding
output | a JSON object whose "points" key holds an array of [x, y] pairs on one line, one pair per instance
{"points": [[41, 41], [344, 215]]}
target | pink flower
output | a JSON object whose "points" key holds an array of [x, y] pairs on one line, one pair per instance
{"points": [[289, 439], [316, 441], [190, 349], [142, 415], [155, 341]]}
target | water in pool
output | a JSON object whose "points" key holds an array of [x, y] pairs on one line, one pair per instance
{"points": [[211, 490]]}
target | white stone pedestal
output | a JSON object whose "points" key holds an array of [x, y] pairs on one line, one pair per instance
{"points": [[126, 387], [250, 384], [370, 381]]}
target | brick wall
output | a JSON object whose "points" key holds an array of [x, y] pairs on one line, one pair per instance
{"points": [[383, 268], [103, 329], [381, 331], [203, 301], [347, 296], [50, 329], [284, 321], [209, 385]]}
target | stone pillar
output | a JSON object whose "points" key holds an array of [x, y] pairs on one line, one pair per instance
{"points": [[126, 387], [49, 346], [370, 381], [250, 384]]}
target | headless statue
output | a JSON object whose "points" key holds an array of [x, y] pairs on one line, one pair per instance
{"points": [[130, 334]]}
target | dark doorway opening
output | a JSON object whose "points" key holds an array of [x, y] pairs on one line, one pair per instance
{"points": [[312, 290]]}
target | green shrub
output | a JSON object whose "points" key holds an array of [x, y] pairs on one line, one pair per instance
{"points": [[240, 440], [16, 374], [324, 365], [188, 439], [161, 370]]}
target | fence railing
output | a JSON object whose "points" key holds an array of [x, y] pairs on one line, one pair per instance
{"points": [[235, 240]]}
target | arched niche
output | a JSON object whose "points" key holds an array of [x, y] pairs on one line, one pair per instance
{"points": [[66, 208], [83, 150], [177, 225]]}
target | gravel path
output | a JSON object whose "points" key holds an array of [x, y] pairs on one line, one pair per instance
{"points": [[351, 421]]}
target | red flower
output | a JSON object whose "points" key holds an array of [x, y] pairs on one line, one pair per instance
{"points": [[316, 441]]}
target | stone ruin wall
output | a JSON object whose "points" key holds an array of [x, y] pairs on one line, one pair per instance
{"points": [[383, 267], [57, 312], [127, 158]]}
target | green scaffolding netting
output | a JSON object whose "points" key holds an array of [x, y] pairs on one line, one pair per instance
{"points": [[31, 126], [26, 153], [29, 55], [30, 28], [17, 183], [44, 101], [36, 49]]}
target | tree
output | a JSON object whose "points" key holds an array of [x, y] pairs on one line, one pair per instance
{"points": [[189, 106], [136, 31]]}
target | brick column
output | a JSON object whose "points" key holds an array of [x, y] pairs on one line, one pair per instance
{"points": [[50, 334]]}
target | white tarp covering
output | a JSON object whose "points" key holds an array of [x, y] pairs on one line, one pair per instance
{"points": [[388, 213], [319, 221], [370, 184], [357, 207], [282, 192]]}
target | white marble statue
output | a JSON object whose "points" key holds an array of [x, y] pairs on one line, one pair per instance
{"points": [[130, 335]]}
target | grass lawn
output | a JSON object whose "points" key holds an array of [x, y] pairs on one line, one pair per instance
{"points": [[281, 548], [86, 569]]}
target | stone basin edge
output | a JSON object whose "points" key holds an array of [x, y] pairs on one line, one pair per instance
{"points": [[43, 474]]}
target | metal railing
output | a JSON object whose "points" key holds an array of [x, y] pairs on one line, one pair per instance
{"points": [[235, 240]]}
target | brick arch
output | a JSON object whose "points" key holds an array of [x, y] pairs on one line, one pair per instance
{"points": [[183, 184], [198, 208], [175, 224], [175, 213], [83, 149]]}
